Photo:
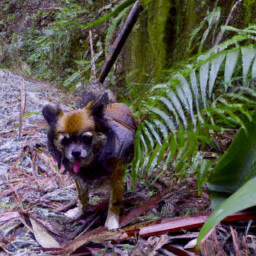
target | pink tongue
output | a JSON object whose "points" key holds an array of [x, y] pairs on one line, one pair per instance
{"points": [[76, 167]]}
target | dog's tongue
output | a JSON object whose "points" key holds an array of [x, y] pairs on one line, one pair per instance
{"points": [[76, 167]]}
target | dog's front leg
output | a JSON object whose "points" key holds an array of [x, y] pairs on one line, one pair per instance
{"points": [[116, 197]]}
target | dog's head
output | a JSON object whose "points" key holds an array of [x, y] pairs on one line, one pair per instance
{"points": [[77, 136]]}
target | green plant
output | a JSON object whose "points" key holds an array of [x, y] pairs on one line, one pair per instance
{"points": [[213, 95], [234, 173], [56, 45]]}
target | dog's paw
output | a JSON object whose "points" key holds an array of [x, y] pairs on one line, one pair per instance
{"points": [[112, 222]]}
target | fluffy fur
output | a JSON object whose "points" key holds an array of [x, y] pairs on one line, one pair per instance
{"points": [[75, 122], [93, 142]]}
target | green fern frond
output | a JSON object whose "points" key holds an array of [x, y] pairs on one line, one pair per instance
{"points": [[170, 107], [213, 96], [153, 131], [176, 103], [166, 118]]}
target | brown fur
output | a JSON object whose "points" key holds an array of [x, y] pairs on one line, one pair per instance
{"points": [[75, 122]]}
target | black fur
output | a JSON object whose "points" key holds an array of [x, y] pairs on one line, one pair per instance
{"points": [[50, 114]]}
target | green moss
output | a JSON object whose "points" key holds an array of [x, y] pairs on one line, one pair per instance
{"points": [[148, 46], [250, 6]]}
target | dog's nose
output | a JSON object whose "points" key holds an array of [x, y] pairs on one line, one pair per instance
{"points": [[76, 154]]}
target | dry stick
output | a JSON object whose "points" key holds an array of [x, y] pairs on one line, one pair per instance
{"points": [[22, 106], [92, 55], [235, 241], [119, 43], [220, 35]]}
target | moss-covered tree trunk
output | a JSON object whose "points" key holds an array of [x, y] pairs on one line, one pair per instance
{"points": [[161, 38]]}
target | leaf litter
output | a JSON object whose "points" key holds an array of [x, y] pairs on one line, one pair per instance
{"points": [[39, 213]]}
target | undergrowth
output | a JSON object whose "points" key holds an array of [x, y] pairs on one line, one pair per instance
{"points": [[214, 94], [56, 46]]}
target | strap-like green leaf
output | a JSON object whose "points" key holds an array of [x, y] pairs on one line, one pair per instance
{"points": [[244, 198]]}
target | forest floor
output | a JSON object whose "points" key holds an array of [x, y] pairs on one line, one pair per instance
{"points": [[37, 202]]}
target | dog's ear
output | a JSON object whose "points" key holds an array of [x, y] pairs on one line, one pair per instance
{"points": [[99, 106], [97, 110], [51, 114]]}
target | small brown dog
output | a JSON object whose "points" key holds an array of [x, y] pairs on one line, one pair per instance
{"points": [[92, 142]]}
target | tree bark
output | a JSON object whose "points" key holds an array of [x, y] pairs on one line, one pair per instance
{"points": [[120, 41]]}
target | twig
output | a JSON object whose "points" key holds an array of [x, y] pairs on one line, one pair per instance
{"points": [[92, 55], [120, 41], [22, 219], [86, 229], [235, 241], [22, 105], [220, 35]]}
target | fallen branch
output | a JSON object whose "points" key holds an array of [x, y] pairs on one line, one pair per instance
{"points": [[191, 222], [101, 234], [120, 41]]}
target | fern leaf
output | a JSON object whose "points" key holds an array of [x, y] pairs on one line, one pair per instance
{"points": [[163, 148], [170, 107], [153, 160], [190, 147], [254, 69], [148, 136], [161, 127], [215, 128], [235, 107], [188, 94], [71, 79], [182, 139], [248, 90], [241, 97], [204, 73], [182, 98], [160, 86], [172, 151], [248, 54], [221, 116], [145, 156], [153, 131], [166, 118], [231, 62], [142, 139], [206, 139], [231, 116], [215, 67], [201, 176], [176, 103], [194, 85], [212, 19], [161, 156]]}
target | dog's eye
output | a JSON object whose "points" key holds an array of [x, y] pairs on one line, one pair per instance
{"points": [[87, 137], [87, 134], [64, 141]]}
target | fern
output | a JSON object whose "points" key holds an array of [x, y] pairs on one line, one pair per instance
{"points": [[215, 94]]}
